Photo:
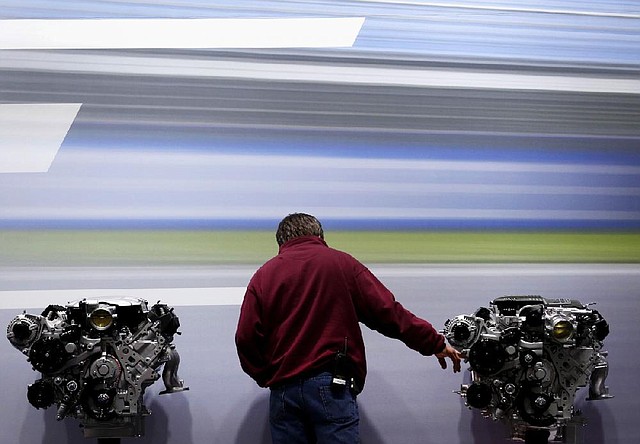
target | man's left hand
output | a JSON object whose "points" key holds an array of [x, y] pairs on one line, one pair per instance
{"points": [[451, 353]]}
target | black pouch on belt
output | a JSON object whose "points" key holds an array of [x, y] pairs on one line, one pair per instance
{"points": [[341, 375]]}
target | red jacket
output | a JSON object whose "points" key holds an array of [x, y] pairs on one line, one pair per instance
{"points": [[301, 305]]}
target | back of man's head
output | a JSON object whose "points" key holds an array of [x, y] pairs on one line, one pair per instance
{"points": [[296, 225]]}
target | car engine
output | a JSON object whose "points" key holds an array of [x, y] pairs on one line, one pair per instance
{"points": [[96, 358], [528, 356]]}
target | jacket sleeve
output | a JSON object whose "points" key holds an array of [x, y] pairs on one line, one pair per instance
{"points": [[378, 310], [250, 338]]}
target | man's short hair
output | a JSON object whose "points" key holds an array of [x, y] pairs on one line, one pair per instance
{"points": [[296, 225]]}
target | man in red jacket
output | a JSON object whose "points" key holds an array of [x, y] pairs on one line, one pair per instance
{"points": [[299, 334]]}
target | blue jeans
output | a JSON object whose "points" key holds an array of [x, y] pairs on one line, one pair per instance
{"points": [[311, 411]]}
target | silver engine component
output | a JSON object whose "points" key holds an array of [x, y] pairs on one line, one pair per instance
{"points": [[96, 358], [528, 357]]}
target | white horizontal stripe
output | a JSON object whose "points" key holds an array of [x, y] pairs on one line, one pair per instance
{"points": [[175, 297], [31, 134], [179, 33], [221, 296], [502, 270], [150, 158], [363, 75]]}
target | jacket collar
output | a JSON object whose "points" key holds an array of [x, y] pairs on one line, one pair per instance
{"points": [[307, 240]]}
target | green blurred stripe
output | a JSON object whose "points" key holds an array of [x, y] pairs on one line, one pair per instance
{"points": [[62, 247]]}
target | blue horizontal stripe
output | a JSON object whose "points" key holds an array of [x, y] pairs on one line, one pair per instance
{"points": [[357, 144], [329, 224]]}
